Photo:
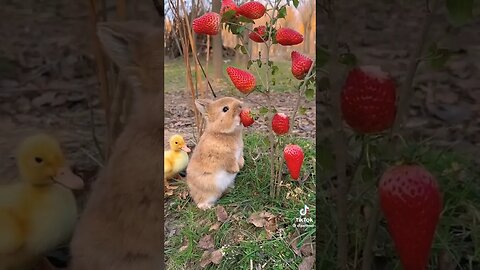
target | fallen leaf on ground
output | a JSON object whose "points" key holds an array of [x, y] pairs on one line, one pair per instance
{"points": [[293, 240], [215, 226], [307, 248], [307, 263], [184, 246], [206, 242], [206, 259], [222, 215], [259, 219], [217, 256]]}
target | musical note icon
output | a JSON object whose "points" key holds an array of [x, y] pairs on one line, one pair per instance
{"points": [[304, 211]]}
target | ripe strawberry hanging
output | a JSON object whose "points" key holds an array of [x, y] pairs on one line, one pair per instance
{"points": [[411, 202], [300, 65], [208, 23], [287, 36], [293, 155], [243, 80], [368, 100], [246, 118], [228, 5], [280, 123], [252, 10], [259, 33]]}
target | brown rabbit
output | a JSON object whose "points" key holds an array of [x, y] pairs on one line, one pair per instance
{"points": [[120, 227], [218, 157]]}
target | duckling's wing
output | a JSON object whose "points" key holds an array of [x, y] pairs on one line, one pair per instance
{"points": [[11, 237], [167, 162]]}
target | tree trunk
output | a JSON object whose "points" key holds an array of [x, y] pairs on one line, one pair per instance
{"points": [[217, 59]]}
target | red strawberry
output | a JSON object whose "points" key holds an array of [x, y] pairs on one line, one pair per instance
{"points": [[300, 65], [287, 36], [208, 23], [243, 80], [280, 123], [259, 33], [293, 155], [368, 100], [411, 202], [252, 10], [228, 5], [246, 118]]}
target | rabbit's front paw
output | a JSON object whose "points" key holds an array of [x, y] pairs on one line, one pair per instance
{"points": [[241, 162], [205, 205], [234, 168]]}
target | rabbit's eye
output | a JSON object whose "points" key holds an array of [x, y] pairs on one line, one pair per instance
{"points": [[38, 160], [225, 109]]}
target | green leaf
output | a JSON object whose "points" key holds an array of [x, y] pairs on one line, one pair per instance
{"points": [[302, 110], [238, 46], [228, 15], [249, 64], [259, 63], [243, 49], [282, 12], [274, 81], [348, 59], [460, 11], [263, 110], [310, 94], [440, 58], [274, 70], [295, 3], [245, 20]]}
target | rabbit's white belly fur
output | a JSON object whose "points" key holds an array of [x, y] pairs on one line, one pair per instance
{"points": [[224, 179]]}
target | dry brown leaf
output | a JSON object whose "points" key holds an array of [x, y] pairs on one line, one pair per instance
{"points": [[307, 248], [222, 215], [307, 263], [259, 219], [184, 246], [217, 256], [206, 242], [293, 240], [206, 259], [215, 226]]}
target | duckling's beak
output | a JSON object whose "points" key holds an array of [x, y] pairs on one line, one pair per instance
{"points": [[68, 179], [185, 148]]}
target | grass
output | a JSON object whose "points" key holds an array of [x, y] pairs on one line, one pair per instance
{"points": [[457, 234], [242, 242], [175, 75]]}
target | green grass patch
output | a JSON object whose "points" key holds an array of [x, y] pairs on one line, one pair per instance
{"points": [[242, 242], [175, 75]]}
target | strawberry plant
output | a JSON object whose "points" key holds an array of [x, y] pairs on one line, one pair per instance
{"points": [[374, 168], [237, 20]]}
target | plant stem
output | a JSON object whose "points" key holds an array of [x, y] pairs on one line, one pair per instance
{"points": [[405, 93], [300, 92], [336, 75], [404, 97]]}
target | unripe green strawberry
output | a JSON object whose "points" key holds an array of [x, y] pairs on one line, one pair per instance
{"points": [[293, 155], [208, 23], [411, 202], [300, 65], [246, 118], [259, 33], [243, 80], [280, 123], [252, 10], [368, 100], [287, 36]]}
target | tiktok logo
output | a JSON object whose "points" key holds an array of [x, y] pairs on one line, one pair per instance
{"points": [[304, 211]]}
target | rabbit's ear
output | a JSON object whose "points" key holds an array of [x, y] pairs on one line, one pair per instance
{"points": [[202, 105]]}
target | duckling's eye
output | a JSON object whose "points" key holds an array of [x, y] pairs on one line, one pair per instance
{"points": [[176, 142], [38, 160], [225, 109]]}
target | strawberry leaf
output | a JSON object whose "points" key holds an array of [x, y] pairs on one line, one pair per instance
{"points": [[263, 110], [295, 3], [245, 20], [310, 94], [274, 70], [249, 64], [348, 59], [460, 11], [282, 12], [322, 56], [228, 15], [302, 110]]}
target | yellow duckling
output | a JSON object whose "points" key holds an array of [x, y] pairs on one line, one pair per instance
{"points": [[175, 159], [38, 213]]}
